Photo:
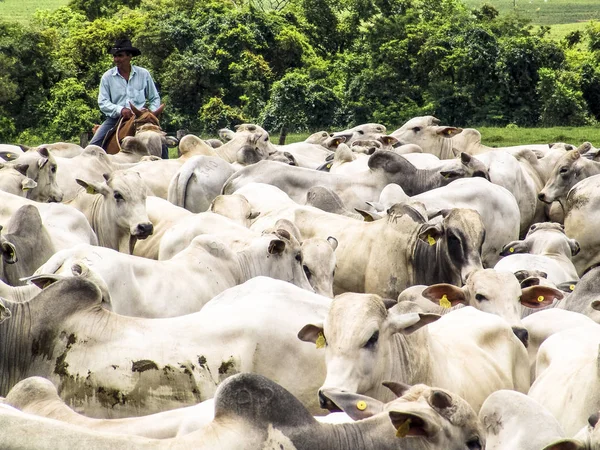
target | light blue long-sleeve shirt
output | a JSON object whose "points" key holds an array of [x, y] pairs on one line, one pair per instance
{"points": [[116, 92]]}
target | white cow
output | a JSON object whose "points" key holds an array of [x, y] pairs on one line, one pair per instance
{"points": [[41, 168], [116, 209], [495, 292], [497, 207], [103, 364], [468, 352], [66, 226], [544, 324], [446, 142], [384, 256], [198, 182], [581, 208], [546, 248], [513, 420], [569, 170], [181, 285], [567, 381], [14, 180], [253, 412]]}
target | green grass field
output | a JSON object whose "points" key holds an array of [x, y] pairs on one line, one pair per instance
{"points": [[22, 10], [546, 12]]}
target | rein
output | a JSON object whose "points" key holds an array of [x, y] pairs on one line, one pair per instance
{"points": [[118, 130]]}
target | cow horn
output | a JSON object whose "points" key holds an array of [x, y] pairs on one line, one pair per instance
{"points": [[575, 155]]}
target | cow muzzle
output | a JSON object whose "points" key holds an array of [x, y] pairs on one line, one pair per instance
{"points": [[143, 230]]}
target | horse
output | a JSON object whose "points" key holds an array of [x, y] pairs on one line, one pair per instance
{"points": [[131, 126]]}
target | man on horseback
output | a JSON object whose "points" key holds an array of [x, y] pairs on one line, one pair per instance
{"points": [[121, 86]]}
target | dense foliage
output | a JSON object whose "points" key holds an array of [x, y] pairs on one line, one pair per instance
{"points": [[299, 65]]}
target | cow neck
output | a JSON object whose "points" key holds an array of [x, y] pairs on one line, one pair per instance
{"points": [[16, 345], [375, 433], [410, 359], [446, 150], [29, 336], [18, 294], [251, 262], [94, 208]]}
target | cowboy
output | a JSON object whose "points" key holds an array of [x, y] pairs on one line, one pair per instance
{"points": [[122, 85]]}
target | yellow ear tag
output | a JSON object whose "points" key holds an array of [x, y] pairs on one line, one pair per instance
{"points": [[321, 341], [444, 302], [541, 298], [90, 190], [512, 250], [361, 405], [431, 240], [572, 287], [403, 429]]}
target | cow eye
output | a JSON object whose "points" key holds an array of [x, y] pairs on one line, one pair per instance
{"points": [[306, 271], [298, 257], [416, 129], [53, 169], [564, 170], [480, 297], [474, 444], [372, 340], [453, 243], [118, 197]]}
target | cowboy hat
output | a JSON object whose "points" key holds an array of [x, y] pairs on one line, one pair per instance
{"points": [[124, 45]]}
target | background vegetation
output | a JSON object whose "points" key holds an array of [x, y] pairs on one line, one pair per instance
{"points": [[306, 65]]}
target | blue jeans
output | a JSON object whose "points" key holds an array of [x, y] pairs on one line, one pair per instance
{"points": [[106, 126]]}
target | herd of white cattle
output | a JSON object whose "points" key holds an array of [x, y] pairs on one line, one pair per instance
{"points": [[357, 290]]}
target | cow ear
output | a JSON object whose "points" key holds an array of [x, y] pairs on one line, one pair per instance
{"points": [[9, 252], [9, 156], [310, 333], [440, 399], [445, 295], [410, 322], [21, 168], [539, 296], [389, 140], [45, 280], [452, 174], [567, 286], [367, 215], [94, 188], [357, 406], [42, 162], [333, 242], [431, 233], [4, 313], [276, 247], [574, 246], [565, 444], [408, 424], [514, 247], [448, 132], [27, 184]]}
